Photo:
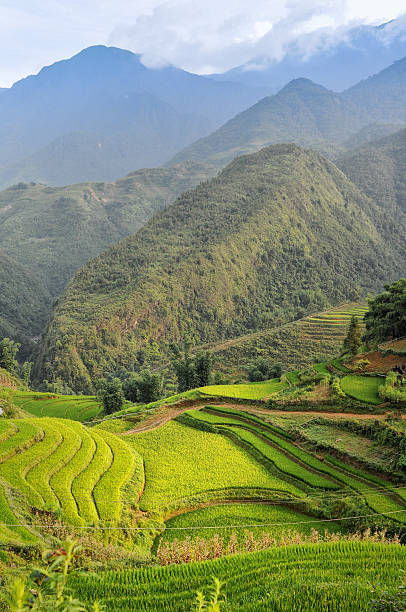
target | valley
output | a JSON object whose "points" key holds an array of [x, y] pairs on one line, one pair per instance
{"points": [[203, 362]]}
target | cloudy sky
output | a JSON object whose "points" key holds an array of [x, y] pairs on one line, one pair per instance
{"points": [[206, 36]]}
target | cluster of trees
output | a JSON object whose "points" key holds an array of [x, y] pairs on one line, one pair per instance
{"points": [[262, 369], [191, 371], [353, 340], [8, 360], [146, 386], [386, 316]]}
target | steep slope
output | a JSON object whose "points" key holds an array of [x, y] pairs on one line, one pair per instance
{"points": [[379, 168], [383, 95], [302, 112], [53, 231], [277, 233], [102, 113], [23, 301], [309, 115], [336, 63]]}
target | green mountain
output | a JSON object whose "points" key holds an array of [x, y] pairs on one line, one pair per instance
{"points": [[379, 168], [302, 112], [277, 234], [50, 232], [23, 301], [309, 115]]}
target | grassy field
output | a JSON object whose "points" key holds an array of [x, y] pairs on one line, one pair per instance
{"points": [[182, 462], [337, 577], [254, 391], [240, 516], [362, 388], [74, 407], [59, 464]]}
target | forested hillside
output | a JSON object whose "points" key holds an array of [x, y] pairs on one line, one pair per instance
{"points": [[24, 301], [277, 234], [50, 232], [309, 115], [379, 168]]}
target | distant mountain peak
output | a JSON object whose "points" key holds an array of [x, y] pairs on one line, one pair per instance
{"points": [[302, 84]]}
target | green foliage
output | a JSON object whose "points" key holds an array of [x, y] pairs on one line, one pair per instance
{"points": [[57, 386], [215, 603], [145, 387], [8, 352], [261, 370], [335, 576], [393, 390], [386, 316], [190, 372], [39, 225], [47, 589], [25, 372], [214, 265], [110, 395], [352, 341]]}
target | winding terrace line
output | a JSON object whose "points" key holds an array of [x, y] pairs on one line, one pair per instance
{"points": [[168, 413]]}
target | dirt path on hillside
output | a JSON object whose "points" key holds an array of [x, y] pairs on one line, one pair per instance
{"points": [[167, 413]]}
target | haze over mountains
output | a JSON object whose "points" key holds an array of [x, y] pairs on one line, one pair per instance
{"points": [[47, 233], [102, 114], [310, 115], [336, 60]]}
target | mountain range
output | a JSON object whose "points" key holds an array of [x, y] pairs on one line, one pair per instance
{"points": [[276, 234], [49, 232], [336, 60], [310, 115], [102, 114]]}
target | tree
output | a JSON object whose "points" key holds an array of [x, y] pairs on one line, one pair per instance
{"points": [[145, 387], [203, 365], [261, 370], [25, 372], [190, 372], [386, 315], [352, 341], [110, 395], [8, 352]]}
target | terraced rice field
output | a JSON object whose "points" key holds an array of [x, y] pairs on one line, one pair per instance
{"points": [[75, 407], [59, 464], [263, 439], [333, 322], [253, 391], [362, 388], [337, 577], [241, 517], [182, 463]]}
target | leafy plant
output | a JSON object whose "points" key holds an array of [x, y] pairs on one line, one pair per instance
{"points": [[215, 602]]}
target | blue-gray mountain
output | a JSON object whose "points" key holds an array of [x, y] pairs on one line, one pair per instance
{"points": [[102, 114], [336, 61], [309, 115]]}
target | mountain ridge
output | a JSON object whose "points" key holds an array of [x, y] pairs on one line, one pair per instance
{"points": [[271, 237]]}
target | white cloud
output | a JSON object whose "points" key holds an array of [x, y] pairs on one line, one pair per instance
{"points": [[205, 36]]}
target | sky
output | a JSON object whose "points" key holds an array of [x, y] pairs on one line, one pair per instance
{"points": [[204, 37]]}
